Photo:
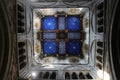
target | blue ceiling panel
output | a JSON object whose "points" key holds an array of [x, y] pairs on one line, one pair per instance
{"points": [[73, 23], [49, 23], [50, 47], [74, 47], [73, 35], [61, 23], [62, 47], [49, 35]]}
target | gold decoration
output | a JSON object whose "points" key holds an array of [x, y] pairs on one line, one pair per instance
{"points": [[38, 47]]}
